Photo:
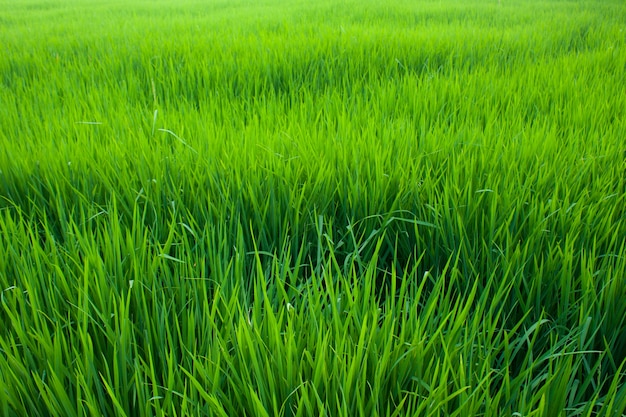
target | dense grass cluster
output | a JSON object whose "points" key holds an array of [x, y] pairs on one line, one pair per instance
{"points": [[313, 208]]}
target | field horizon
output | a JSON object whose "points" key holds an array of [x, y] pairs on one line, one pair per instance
{"points": [[332, 208]]}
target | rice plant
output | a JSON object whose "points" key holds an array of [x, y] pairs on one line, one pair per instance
{"points": [[292, 209]]}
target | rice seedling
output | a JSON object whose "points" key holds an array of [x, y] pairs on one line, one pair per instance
{"points": [[294, 209]]}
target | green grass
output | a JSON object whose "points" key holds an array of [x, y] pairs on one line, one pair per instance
{"points": [[282, 208]]}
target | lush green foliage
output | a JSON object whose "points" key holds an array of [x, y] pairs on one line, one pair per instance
{"points": [[343, 208]]}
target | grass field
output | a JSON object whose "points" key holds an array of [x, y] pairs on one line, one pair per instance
{"points": [[292, 208]]}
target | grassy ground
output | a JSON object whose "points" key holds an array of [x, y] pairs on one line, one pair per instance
{"points": [[284, 208]]}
